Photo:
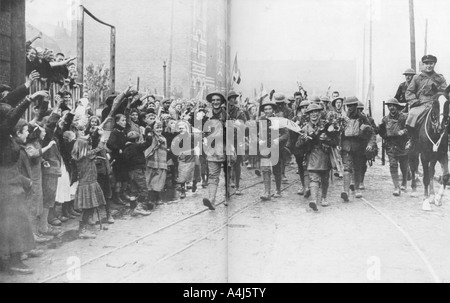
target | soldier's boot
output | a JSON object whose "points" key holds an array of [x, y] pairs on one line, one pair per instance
{"points": [[324, 201], [266, 179], [394, 175], [315, 195], [278, 180], [344, 193], [210, 201], [181, 188], [307, 184]]}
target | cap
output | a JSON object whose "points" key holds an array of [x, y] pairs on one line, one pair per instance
{"points": [[314, 99], [360, 105], [429, 58]]}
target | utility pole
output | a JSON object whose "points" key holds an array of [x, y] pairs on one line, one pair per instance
{"points": [[165, 81], [413, 34], [169, 84], [370, 92], [426, 37]]}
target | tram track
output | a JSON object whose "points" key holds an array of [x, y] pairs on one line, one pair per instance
{"points": [[147, 236], [213, 230]]}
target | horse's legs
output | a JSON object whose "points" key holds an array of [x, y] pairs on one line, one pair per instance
{"points": [[445, 177], [426, 175], [432, 170], [413, 158]]}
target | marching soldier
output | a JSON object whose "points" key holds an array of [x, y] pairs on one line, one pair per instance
{"points": [[285, 112], [300, 152], [420, 95], [393, 130], [265, 139], [235, 114], [216, 152], [400, 95], [353, 146], [371, 139], [318, 141]]}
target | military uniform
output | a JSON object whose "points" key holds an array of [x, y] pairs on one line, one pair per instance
{"points": [[393, 130], [318, 149], [267, 165], [216, 156], [283, 111], [234, 172], [420, 93], [353, 147], [299, 151]]}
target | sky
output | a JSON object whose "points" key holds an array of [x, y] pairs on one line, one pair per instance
{"points": [[334, 30]]}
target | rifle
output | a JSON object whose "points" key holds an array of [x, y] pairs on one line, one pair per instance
{"points": [[383, 144]]}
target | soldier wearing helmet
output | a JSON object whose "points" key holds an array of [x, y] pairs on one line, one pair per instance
{"points": [[393, 130], [301, 119], [317, 141], [354, 146], [400, 95]]}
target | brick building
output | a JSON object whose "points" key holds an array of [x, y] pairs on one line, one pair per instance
{"points": [[190, 34], [12, 42]]}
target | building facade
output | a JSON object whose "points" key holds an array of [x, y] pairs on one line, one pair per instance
{"points": [[189, 35], [12, 42]]}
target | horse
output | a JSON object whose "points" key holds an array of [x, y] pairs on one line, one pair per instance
{"points": [[432, 146]]}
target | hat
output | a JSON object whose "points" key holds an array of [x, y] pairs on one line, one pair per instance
{"points": [[304, 103], [291, 99], [271, 103], [232, 94], [167, 100], [334, 101], [394, 102], [313, 107], [409, 71], [360, 105], [324, 99], [351, 100], [429, 58], [209, 97], [314, 99], [280, 98]]}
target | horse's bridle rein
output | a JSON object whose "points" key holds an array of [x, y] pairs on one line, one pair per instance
{"points": [[438, 143]]}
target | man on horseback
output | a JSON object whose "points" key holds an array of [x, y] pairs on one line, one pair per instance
{"points": [[420, 94]]}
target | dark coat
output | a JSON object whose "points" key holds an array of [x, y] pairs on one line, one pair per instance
{"points": [[16, 235]]}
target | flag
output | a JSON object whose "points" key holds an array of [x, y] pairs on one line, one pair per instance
{"points": [[236, 72], [200, 93], [329, 89], [285, 123], [263, 93]]}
